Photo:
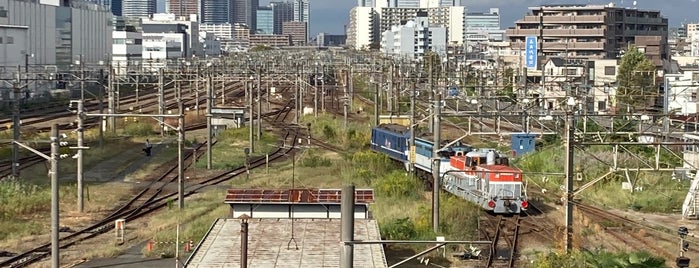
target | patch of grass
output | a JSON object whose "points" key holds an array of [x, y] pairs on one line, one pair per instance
{"points": [[138, 129], [329, 128], [194, 221], [228, 153]]}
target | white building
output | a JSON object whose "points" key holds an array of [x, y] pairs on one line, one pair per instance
{"points": [[13, 39], [84, 31], [163, 46], [127, 49], [167, 24], [222, 31], [368, 22], [363, 29], [414, 39], [682, 94]]}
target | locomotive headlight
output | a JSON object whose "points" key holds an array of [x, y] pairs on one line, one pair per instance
{"points": [[525, 204], [491, 204]]}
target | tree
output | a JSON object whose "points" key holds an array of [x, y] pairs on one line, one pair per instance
{"points": [[635, 81]]}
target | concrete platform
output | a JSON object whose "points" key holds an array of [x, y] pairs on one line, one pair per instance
{"points": [[315, 243]]}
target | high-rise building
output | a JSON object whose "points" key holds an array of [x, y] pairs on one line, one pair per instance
{"points": [[283, 12], [588, 31], [245, 11], [215, 11], [452, 18], [138, 8], [116, 7], [484, 26], [182, 8], [363, 30], [55, 34], [302, 13], [265, 20], [414, 39]]}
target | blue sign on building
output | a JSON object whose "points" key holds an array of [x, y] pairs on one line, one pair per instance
{"points": [[530, 52]]}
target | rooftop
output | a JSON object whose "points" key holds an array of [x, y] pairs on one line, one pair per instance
{"points": [[285, 196], [270, 244]]}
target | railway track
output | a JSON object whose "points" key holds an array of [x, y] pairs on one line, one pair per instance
{"points": [[636, 235], [155, 197]]}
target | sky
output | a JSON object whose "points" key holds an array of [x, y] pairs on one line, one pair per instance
{"points": [[331, 16]]}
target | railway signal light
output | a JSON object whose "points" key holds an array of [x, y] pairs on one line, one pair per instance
{"points": [[685, 245], [682, 262]]}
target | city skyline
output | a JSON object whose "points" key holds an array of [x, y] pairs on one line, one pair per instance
{"points": [[331, 16]]}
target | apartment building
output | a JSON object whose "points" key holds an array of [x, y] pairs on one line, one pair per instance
{"points": [[587, 31]]}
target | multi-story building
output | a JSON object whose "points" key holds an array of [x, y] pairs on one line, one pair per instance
{"points": [[221, 31], [138, 8], [484, 26], [587, 31], [244, 11], [115, 6], [452, 18], [59, 33], [283, 12], [172, 30], [414, 39], [127, 47], [302, 13], [363, 30], [682, 96], [297, 31], [692, 29], [271, 40], [329, 40], [182, 8], [265, 20], [13, 41], [215, 11]]}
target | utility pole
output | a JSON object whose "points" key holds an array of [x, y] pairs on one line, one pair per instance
{"points": [[251, 117], [315, 95], [55, 255], [81, 114], [101, 108], [431, 118], [16, 125], [376, 104], [412, 129], [110, 101], [259, 105], [389, 95], [161, 100], [345, 101], [180, 148], [541, 58], [436, 162], [297, 100], [209, 97], [569, 170], [322, 89]]}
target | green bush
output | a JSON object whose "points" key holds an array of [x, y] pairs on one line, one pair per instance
{"points": [[598, 258], [398, 229], [397, 184], [314, 160], [20, 198], [328, 132]]}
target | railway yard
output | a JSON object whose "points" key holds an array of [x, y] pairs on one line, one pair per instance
{"points": [[271, 127]]}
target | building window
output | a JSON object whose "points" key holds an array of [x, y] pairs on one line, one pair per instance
{"points": [[0, 40], [609, 70], [9, 40], [3, 12]]}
